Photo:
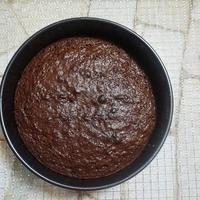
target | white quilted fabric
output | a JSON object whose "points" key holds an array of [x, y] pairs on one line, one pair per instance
{"points": [[172, 28]]}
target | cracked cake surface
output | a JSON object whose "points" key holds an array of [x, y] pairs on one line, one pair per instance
{"points": [[84, 108]]}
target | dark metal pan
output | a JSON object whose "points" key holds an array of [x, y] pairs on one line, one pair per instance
{"points": [[135, 46]]}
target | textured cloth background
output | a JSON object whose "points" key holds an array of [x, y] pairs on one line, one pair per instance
{"points": [[172, 27]]}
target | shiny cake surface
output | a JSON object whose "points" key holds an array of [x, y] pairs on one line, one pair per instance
{"points": [[84, 108]]}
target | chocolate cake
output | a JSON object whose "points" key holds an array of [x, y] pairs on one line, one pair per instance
{"points": [[84, 108]]}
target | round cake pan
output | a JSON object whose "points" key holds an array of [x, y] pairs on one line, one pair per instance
{"points": [[131, 42]]}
